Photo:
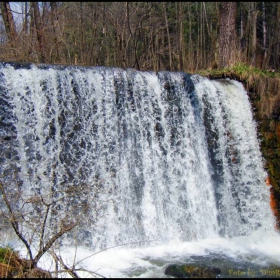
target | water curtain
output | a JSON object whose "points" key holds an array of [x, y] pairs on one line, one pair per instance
{"points": [[137, 156]]}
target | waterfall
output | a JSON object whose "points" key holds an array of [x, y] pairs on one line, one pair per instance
{"points": [[138, 156]]}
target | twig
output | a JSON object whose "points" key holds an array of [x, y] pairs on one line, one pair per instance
{"points": [[44, 224], [52, 240], [113, 248], [14, 222], [67, 269]]}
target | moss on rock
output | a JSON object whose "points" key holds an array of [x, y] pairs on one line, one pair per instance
{"points": [[191, 271]]}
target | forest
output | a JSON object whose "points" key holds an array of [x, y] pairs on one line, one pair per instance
{"points": [[148, 36]]}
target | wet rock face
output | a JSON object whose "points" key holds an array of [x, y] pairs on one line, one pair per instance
{"points": [[265, 100], [264, 95], [191, 271]]}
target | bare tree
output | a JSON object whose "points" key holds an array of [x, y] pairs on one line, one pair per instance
{"points": [[184, 36], [9, 23], [35, 227], [33, 217], [227, 33], [39, 30]]}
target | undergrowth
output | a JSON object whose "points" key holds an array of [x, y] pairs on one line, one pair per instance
{"points": [[240, 69], [6, 253]]}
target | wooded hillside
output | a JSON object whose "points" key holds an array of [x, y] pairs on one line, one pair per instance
{"points": [[177, 36]]}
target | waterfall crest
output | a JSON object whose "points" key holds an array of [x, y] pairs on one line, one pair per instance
{"points": [[162, 156]]}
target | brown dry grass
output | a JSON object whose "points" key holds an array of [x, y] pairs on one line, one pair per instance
{"points": [[13, 266]]}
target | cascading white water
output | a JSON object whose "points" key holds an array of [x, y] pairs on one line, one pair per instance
{"points": [[158, 156]]}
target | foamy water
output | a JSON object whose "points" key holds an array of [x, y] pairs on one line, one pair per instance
{"points": [[258, 253]]}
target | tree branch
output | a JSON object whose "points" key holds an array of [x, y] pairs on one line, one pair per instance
{"points": [[44, 224], [52, 240], [14, 222], [59, 259]]}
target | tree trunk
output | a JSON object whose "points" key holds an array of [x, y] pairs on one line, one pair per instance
{"points": [[227, 33], [9, 23], [264, 63], [254, 15], [276, 38], [54, 20], [181, 38], [39, 30], [168, 36], [190, 40]]}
